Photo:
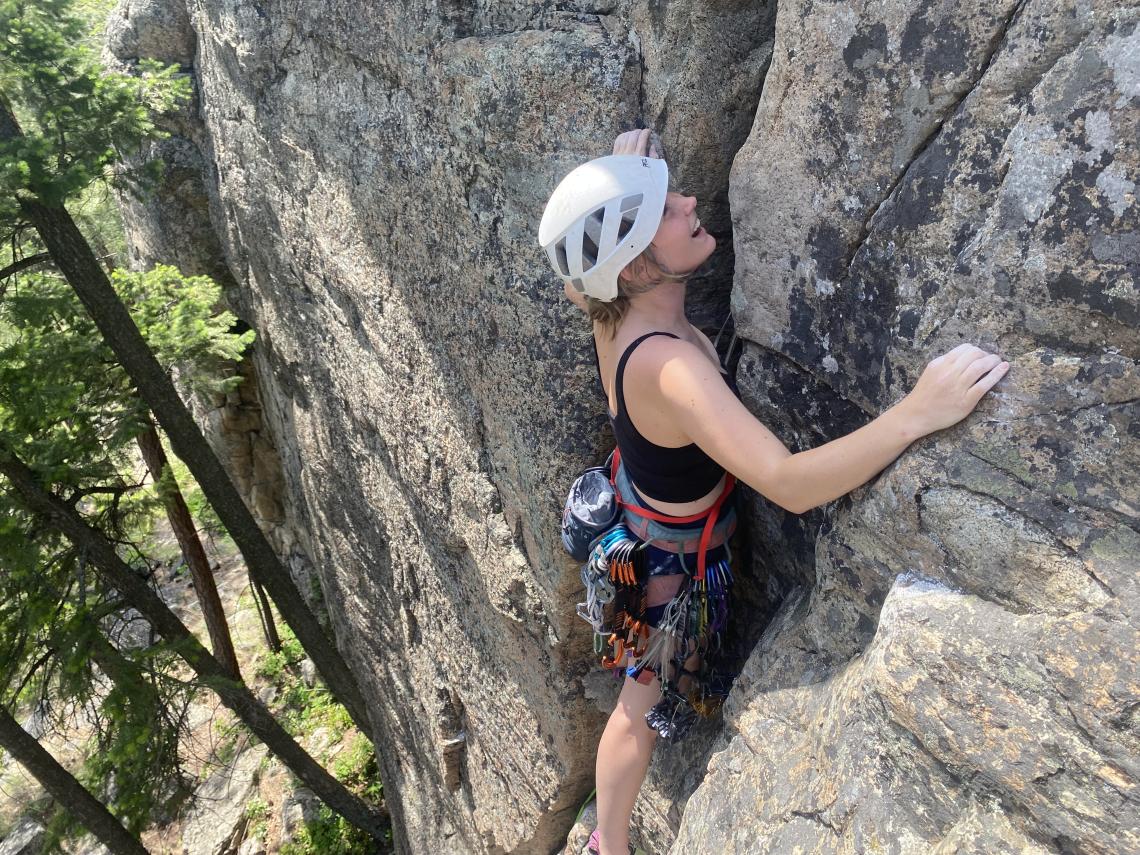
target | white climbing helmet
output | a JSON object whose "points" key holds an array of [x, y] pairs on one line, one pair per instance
{"points": [[601, 217]]}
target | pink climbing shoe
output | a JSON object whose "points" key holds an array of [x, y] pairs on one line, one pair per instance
{"points": [[594, 846]]}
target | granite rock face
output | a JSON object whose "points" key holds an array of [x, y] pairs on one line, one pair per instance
{"points": [[370, 178], [955, 666], [219, 820], [25, 839], [952, 666]]}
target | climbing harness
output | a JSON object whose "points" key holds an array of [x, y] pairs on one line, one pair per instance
{"points": [[708, 516], [616, 575]]}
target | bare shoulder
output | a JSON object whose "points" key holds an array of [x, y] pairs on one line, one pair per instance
{"points": [[657, 354]]}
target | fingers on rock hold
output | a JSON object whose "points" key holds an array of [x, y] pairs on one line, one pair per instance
{"points": [[979, 367], [990, 379]]}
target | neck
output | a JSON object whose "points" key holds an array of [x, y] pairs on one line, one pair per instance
{"points": [[661, 308]]}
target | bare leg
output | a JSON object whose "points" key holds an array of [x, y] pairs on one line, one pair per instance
{"points": [[623, 758]]}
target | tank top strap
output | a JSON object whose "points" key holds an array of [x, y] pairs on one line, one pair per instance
{"points": [[619, 376]]}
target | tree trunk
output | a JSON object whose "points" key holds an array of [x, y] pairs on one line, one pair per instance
{"points": [[265, 615], [73, 256], [187, 535], [233, 693], [63, 787]]}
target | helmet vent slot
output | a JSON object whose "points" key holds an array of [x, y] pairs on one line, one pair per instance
{"points": [[560, 253], [631, 202], [593, 226], [589, 252], [592, 237], [627, 220]]}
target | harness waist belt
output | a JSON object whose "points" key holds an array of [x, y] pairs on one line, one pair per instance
{"points": [[707, 517]]}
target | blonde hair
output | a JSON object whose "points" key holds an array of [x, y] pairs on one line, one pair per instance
{"points": [[645, 274]]}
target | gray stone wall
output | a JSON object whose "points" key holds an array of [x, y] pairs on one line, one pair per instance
{"points": [[956, 667], [951, 666]]}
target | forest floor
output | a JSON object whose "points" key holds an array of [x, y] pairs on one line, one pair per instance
{"points": [[243, 793]]}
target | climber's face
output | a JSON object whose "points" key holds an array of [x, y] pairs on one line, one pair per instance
{"points": [[681, 244]]}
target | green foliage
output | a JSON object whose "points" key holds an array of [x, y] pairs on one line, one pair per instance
{"points": [[257, 812], [181, 319], [229, 734], [64, 402], [43, 598], [136, 757], [53, 614], [78, 119], [94, 14], [256, 809], [303, 710], [63, 397], [330, 834], [67, 407], [274, 667], [97, 214], [204, 515], [356, 768]]}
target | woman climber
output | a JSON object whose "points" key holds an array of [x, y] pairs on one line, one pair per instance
{"points": [[624, 247]]}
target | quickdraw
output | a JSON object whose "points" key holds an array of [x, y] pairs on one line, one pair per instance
{"points": [[636, 630], [599, 592], [610, 576]]}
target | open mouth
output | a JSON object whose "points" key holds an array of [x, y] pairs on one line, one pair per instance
{"points": [[697, 231]]}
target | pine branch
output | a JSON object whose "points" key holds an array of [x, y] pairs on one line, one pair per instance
{"points": [[24, 263]]}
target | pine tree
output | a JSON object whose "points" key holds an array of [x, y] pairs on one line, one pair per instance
{"points": [[77, 121], [182, 524], [53, 613], [58, 380], [65, 788], [65, 398], [60, 514]]}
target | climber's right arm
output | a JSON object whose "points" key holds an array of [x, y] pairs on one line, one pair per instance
{"points": [[575, 297], [701, 404]]}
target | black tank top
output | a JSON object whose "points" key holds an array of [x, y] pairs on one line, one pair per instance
{"points": [[682, 474]]}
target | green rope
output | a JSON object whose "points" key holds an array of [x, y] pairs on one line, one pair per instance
{"points": [[585, 805]]}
